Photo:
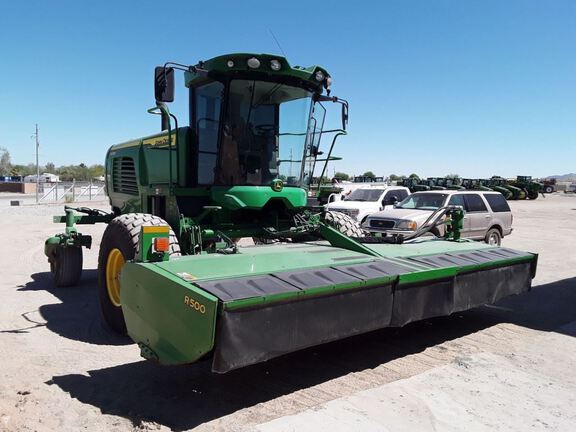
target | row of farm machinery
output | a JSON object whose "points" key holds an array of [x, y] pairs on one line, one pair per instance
{"points": [[523, 187]]}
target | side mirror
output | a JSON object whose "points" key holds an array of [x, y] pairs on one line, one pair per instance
{"points": [[344, 115], [315, 152], [392, 200], [164, 84]]}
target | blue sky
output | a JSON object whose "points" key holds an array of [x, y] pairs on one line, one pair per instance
{"points": [[473, 87]]}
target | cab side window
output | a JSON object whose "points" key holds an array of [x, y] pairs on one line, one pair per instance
{"points": [[474, 203]]}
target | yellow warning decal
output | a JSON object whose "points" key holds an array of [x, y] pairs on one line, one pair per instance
{"points": [[161, 229], [161, 141]]}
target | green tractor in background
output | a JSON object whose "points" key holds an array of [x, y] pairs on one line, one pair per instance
{"points": [[530, 187], [521, 188], [415, 184], [500, 184], [172, 274], [436, 183]]}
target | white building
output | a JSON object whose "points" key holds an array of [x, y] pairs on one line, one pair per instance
{"points": [[44, 178]]}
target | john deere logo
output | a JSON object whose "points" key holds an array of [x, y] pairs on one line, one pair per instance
{"points": [[277, 185]]}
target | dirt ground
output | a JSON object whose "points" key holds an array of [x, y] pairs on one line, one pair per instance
{"points": [[503, 367]]}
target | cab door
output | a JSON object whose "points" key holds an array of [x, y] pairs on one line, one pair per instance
{"points": [[477, 214]]}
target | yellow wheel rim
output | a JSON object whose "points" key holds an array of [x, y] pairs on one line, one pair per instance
{"points": [[114, 265]]}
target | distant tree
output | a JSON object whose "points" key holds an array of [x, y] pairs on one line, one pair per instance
{"points": [[395, 177], [453, 176], [369, 174], [5, 165], [19, 170], [83, 173], [414, 176], [96, 171], [50, 168], [341, 176]]}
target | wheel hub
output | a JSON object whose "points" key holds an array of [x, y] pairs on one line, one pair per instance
{"points": [[114, 265]]}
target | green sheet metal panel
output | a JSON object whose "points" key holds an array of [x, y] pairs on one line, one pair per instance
{"points": [[172, 320]]}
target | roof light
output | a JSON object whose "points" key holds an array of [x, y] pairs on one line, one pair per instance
{"points": [[230, 63], [253, 63], [275, 65], [319, 76]]}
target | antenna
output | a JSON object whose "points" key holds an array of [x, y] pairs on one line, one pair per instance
{"points": [[277, 43]]}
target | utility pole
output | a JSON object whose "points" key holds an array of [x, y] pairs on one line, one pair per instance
{"points": [[37, 166]]}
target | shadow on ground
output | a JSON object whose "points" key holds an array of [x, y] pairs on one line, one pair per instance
{"points": [[184, 397], [77, 317]]}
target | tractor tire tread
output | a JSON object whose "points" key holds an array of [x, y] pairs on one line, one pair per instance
{"points": [[344, 223], [66, 266], [123, 233]]}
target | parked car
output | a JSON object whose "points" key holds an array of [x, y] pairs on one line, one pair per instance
{"points": [[364, 201], [487, 214]]}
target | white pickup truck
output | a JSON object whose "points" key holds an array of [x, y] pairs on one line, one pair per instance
{"points": [[364, 201]]}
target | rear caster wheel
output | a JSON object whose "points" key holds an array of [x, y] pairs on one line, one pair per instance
{"points": [[66, 265]]}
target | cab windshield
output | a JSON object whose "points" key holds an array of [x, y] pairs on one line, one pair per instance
{"points": [[264, 135], [423, 201]]}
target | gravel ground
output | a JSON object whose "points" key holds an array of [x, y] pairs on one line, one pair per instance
{"points": [[503, 367]]}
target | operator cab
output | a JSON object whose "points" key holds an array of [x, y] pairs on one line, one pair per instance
{"points": [[254, 119]]}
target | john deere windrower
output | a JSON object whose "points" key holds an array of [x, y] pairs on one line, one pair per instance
{"points": [[171, 272]]}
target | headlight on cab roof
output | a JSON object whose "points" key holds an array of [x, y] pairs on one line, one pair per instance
{"points": [[407, 225]]}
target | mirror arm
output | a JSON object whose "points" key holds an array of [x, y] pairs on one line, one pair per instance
{"points": [[343, 102], [328, 156], [187, 68]]}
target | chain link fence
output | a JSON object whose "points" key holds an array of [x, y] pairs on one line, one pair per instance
{"points": [[68, 192]]}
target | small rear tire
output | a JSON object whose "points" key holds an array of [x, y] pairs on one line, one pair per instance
{"points": [[548, 189], [120, 244], [493, 237], [66, 265]]}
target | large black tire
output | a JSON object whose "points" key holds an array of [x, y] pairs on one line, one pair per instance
{"points": [[493, 237], [66, 265], [122, 234], [344, 223], [532, 194]]}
